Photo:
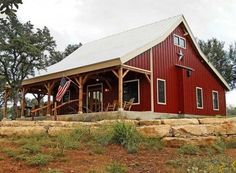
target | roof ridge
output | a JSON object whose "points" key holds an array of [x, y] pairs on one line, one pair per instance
{"points": [[131, 29]]}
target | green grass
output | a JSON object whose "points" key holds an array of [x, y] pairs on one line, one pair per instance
{"points": [[152, 144], [208, 164], [39, 160], [189, 149], [115, 167], [126, 135]]}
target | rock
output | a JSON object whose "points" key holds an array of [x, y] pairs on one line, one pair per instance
{"points": [[214, 120], [198, 130], [54, 131], [21, 131], [200, 141], [155, 130], [176, 122], [230, 128], [148, 122]]}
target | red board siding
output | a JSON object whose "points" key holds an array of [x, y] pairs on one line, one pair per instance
{"points": [[164, 59], [141, 61]]}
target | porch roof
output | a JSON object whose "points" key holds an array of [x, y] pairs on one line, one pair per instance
{"points": [[116, 50]]}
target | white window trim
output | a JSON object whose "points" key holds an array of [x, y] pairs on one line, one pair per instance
{"points": [[134, 80], [161, 103], [181, 38], [213, 91], [201, 97]]}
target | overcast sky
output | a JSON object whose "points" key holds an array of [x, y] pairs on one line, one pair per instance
{"points": [[74, 21]]}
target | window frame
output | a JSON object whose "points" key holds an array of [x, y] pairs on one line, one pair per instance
{"points": [[218, 105], [179, 37], [201, 97], [158, 101], [133, 80]]}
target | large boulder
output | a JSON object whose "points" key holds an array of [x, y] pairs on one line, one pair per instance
{"points": [[200, 141], [198, 130], [21, 131], [176, 122], [155, 130]]}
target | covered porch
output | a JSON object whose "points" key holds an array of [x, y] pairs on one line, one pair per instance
{"points": [[91, 92]]}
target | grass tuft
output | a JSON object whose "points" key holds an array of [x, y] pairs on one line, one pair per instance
{"points": [[189, 149], [115, 167]]}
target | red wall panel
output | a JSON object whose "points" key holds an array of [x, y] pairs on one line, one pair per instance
{"points": [[165, 57]]}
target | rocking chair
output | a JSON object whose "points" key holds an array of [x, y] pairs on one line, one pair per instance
{"points": [[128, 104]]}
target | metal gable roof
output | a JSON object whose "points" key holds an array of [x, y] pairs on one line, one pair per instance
{"points": [[123, 46]]}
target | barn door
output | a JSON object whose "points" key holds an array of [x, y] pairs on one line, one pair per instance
{"points": [[94, 98], [180, 90]]}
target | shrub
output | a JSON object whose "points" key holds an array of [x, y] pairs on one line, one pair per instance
{"points": [[39, 160], [115, 167], [189, 149], [126, 135], [52, 171], [30, 149]]}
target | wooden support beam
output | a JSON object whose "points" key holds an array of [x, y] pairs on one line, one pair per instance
{"points": [[148, 78], [49, 87], [125, 73], [108, 84], [115, 73], [135, 69], [55, 111], [120, 88], [80, 111], [85, 78]]}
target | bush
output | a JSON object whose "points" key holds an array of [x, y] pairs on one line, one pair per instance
{"points": [[39, 160], [126, 135], [30, 149], [230, 144], [115, 167], [189, 149]]}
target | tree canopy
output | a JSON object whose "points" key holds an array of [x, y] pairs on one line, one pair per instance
{"points": [[23, 50], [57, 56], [223, 60], [9, 7]]}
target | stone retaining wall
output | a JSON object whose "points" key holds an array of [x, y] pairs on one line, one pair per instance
{"points": [[174, 132]]}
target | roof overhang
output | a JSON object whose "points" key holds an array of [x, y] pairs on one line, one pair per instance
{"points": [[75, 71]]}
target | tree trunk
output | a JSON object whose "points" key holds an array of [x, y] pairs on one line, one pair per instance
{"points": [[15, 101]]}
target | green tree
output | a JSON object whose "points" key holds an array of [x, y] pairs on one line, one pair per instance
{"points": [[232, 57], [214, 50], [9, 7], [23, 50], [57, 56]]}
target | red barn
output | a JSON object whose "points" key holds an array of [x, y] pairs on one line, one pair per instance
{"points": [[160, 65]]}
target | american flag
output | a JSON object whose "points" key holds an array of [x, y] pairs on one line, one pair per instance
{"points": [[64, 85]]}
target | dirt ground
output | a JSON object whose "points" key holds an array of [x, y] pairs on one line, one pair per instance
{"points": [[82, 161]]}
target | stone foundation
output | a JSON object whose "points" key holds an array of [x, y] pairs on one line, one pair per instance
{"points": [[174, 132]]}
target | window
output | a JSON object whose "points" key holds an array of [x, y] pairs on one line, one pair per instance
{"points": [[161, 91], [215, 100], [179, 41], [199, 98], [131, 90]]}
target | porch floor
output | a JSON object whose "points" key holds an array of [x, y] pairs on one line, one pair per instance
{"points": [[98, 116]]}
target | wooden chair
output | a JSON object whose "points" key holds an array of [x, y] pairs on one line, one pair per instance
{"points": [[128, 104], [111, 107]]}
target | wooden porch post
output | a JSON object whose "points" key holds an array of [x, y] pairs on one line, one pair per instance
{"points": [[120, 89], [80, 95], [23, 91], [49, 87]]}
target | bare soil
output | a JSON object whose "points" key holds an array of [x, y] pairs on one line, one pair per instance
{"points": [[84, 160]]}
